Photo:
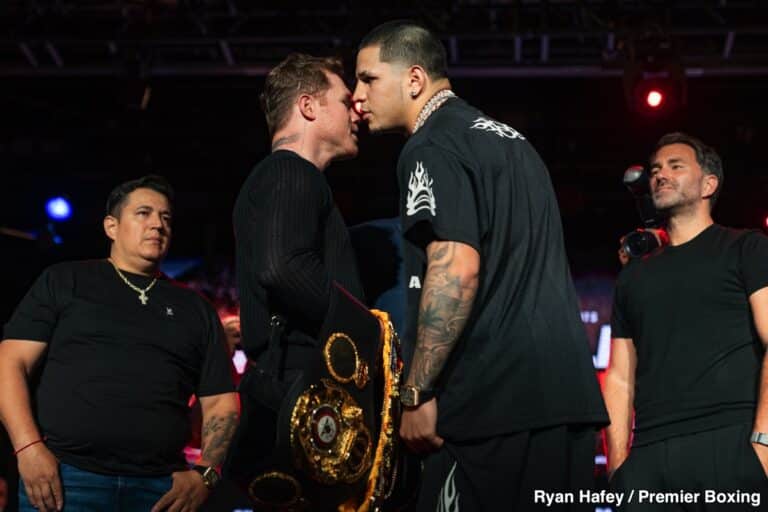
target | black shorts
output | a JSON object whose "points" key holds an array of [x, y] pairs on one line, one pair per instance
{"points": [[503, 473]]}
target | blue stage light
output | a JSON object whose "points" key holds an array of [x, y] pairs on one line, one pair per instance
{"points": [[58, 208]]}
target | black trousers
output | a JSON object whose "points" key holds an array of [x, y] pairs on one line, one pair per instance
{"points": [[503, 473], [707, 471]]}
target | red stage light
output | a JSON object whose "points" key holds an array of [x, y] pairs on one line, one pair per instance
{"points": [[654, 98]]}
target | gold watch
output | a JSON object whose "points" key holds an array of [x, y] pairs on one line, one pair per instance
{"points": [[209, 474], [412, 396]]}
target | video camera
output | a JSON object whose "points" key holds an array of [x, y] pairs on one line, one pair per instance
{"points": [[641, 241]]}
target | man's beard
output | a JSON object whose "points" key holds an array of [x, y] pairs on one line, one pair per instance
{"points": [[671, 205]]}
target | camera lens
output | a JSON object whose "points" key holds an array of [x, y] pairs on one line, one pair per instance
{"points": [[639, 243]]}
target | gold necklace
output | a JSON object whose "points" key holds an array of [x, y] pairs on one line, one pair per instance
{"points": [[142, 291]]}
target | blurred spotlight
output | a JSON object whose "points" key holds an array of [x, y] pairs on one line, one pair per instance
{"points": [[654, 99], [655, 82], [58, 209]]}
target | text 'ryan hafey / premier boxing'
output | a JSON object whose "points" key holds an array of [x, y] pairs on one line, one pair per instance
{"points": [[605, 497]]}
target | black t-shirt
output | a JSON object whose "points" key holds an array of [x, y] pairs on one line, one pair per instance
{"points": [[117, 375], [292, 243], [523, 359], [686, 308]]}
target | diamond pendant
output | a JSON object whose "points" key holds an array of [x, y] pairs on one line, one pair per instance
{"points": [[143, 299]]}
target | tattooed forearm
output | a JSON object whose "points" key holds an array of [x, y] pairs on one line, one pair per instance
{"points": [[217, 433], [282, 141], [446, 302]]}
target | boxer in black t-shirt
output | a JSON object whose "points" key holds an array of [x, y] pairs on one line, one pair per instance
{"points": [[292, 250], [501, 393]]}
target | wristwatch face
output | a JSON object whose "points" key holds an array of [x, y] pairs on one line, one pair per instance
{"points": [[209, 474], [409, 396]]}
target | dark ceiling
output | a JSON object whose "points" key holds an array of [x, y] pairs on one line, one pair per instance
{"points": [[92, 93], [243, 38]]}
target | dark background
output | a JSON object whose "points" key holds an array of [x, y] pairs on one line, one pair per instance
{"points": [[73, 136], [73, 75]]}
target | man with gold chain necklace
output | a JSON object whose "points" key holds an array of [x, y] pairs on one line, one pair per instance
{"points": [[119, 349], [500, 397]]}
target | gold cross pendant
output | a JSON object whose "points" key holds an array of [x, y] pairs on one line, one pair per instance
{"points": [[143, 299]]}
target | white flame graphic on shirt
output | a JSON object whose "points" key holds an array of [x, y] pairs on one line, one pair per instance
{"points": [[420, 195], [500, 129]]}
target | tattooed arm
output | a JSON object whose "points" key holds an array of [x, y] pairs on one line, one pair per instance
{"points": [[447, 295], [220, 417]]}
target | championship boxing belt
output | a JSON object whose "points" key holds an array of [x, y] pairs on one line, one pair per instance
{"points": [[324, 439]]}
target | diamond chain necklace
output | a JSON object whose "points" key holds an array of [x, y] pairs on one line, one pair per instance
{"points": [[142, 291], [434, 103]]}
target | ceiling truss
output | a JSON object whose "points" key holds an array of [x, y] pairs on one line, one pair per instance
{"points": [[493, 38]]}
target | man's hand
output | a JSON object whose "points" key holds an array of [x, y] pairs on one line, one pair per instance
{"points": [[762, 453], [39, 470], [615, 463], [186, 495], [418, 428]]}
